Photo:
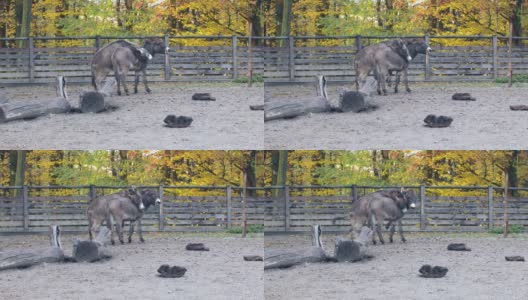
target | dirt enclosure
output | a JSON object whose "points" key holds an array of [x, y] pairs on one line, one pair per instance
{"points": [[480, 274], [137, 123], [397, 123], [220, 273]]}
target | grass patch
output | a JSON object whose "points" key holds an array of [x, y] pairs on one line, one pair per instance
{"points": [[245, 79], [515, 78], [250, 229], [511, 229]]}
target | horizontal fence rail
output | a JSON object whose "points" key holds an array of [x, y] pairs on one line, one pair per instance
{"points": [[481, 209], [282, 59], [183, 208]]}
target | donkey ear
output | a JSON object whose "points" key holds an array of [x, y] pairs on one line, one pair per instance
{"points": [[402, 190]]}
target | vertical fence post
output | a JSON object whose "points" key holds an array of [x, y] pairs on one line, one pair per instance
{"points": [[494, 43], [286, 208], [92, 193], [358, 43], [234, 42], [167, 59], [422, 208], [229, 208], [427, 59], [97, 42], [161, 213], [354, 193], [490, 207], [31, 67], [25, 207], [291, 56]]}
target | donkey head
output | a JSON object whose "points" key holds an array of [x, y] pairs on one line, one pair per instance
{"points": [[135, 196], [409, 197], [399, 46], [155, 46], [150, 197], [417, 46]]}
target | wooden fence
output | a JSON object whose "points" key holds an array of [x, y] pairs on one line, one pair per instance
{"points": [[479, 211], [301, 60], [38, 63], [33, 209], [298, 59]]}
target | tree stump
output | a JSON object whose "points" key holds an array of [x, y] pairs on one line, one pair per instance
{"points": [[93, 101], [95, 250], [352, 250], [24, 258]]}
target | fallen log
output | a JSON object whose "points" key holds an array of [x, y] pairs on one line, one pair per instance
{"points": [[24, 258], [285, 258], [30, 109], [95, 250], [94, 101], [347, 101], [346, 250]]}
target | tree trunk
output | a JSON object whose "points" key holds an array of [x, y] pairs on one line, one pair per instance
{"points": [[24, 258], [249, 167], [513, 179], [505, 205], [95, 250], [282, 166], [517, 21], [244, 199], [23, 16], [4, 9]]}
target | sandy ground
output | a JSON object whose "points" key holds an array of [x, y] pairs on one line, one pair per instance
{"points": [[480, 274], [397, 123], [220, 273], [137, 123]]}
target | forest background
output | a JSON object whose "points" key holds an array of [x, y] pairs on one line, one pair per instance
{"points": [[54, 18], [265, 168]]}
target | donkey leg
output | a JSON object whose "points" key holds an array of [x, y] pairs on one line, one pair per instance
{"points": [[119, 228], [90, 224], [392, 230], [145, 81], [378, 222], [123, 81], [398, 78], [140, 231], [400, 230], [136, 82], [130, 231], [406, 80], [110, 227], [118, 81]]}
